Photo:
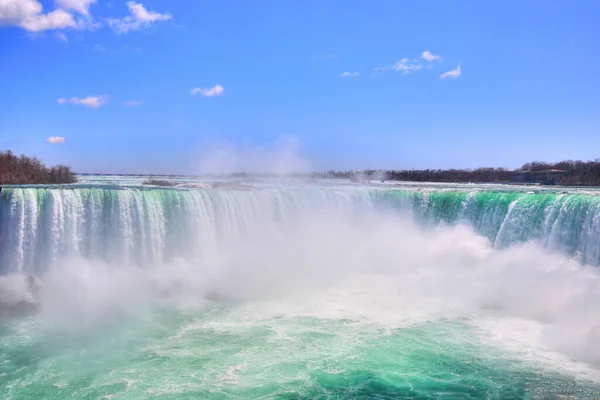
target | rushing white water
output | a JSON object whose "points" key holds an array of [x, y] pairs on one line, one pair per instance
{"points": [[145, 227]]}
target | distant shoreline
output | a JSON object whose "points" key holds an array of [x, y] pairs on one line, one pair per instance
{"points": [[565, 173], [30, 170]]}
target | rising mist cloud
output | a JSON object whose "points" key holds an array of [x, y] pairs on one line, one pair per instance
{"points": [[281, 157]]}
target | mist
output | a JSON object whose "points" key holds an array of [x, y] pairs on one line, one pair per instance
{"points": [[376, 268], [280, 157]]}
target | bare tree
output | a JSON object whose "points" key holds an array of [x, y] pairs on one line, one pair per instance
{"points": [[30, 170]]}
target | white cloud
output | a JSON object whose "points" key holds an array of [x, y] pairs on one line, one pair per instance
{"points": [[140, 17], [90, 101], [140, 13], [405, 66], [216, 90], [62, 36], [349, 74], [80, 6], [56, 140], [455, 73], [133, 103], [429, 56], [99, 47], [27, 14], [56, 19]]}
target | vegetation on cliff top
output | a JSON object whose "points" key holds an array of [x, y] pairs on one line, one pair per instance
{"points": [[22, 170]]}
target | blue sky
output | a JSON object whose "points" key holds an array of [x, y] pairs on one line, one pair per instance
{"points": [[164, 86]]}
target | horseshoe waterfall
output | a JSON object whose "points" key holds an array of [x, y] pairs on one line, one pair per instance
{"points": [[298, 290]]}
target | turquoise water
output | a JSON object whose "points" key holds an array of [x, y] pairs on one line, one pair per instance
{"points": [[301, 291], [210, 354]]}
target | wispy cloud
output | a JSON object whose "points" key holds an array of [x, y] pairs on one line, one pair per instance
{"points": [[99, 47], [90, 101], [429, 56], [133, 103], [406, 66], [216, 90], [453, 74], [62, 37], [56, 140], [140, 17], [349, 74]]}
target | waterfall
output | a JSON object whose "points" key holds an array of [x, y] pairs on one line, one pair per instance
{"points": [[569, 223], [145, 227], [140, 226]]}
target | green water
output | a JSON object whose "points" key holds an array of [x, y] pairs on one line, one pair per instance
{"points": [[219, 352]]}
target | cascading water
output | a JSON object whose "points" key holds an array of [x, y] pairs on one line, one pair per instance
{"points": [[564, 222], [297, 291], [143, 227], [147, 227]]}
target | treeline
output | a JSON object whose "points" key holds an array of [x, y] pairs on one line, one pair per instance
{"points": [[567, 173], [576, 172], [425, 175], [20, 170]]}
